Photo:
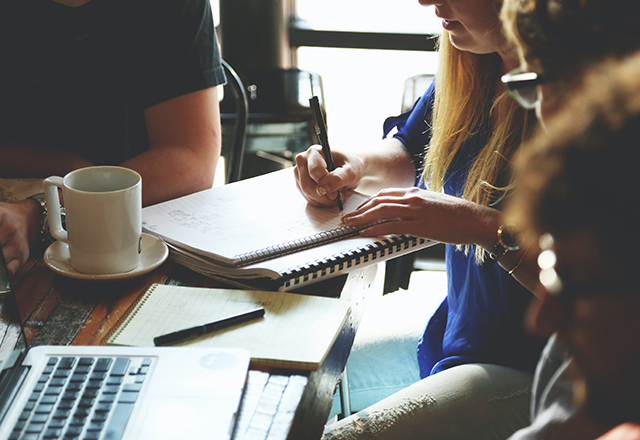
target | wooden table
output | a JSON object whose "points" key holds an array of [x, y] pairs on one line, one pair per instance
{"points": [[60, 311]]}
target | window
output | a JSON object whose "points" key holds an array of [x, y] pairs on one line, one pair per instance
{"points": [[356, 46], [364, 86], [404, 16]]}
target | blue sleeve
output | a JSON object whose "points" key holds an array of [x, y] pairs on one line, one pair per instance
{"points": [[414, 126]]}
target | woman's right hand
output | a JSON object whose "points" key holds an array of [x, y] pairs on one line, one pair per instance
{"points": [[319, 186]]}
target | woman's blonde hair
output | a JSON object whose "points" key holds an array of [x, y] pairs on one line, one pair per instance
{"points": [[464, 99]]}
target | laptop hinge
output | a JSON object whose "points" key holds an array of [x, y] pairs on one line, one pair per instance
{"points": [[11, 381]]}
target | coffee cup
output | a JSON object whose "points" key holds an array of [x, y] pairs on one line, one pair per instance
{"points": [[103, 206]]}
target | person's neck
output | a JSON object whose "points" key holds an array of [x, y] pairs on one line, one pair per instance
{"points": [[510, 61]]}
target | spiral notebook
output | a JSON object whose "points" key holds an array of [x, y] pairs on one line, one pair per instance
{"points": [[261, 233], [297, 331]]}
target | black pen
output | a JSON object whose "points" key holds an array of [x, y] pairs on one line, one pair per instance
{"points": [[188, 333], [321, 131]]}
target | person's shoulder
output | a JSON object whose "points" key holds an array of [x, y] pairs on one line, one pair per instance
{"points": [[175, 6], [625, 431]]}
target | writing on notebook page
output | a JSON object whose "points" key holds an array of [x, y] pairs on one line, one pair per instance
{"points": [[216, 232]]}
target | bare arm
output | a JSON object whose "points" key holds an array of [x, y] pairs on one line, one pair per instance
{"points": [[28, 161], [444, 218], [184, 146], [368, 170], [184, 137]]}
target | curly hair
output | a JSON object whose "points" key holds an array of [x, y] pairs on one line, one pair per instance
{"points": [[563, 37], [581, 174]]}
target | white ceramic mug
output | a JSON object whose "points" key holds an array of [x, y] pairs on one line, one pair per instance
{"points": [[103, 217]]}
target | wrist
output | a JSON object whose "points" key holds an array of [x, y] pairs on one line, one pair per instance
{"points": [[41, 235], [31, 212], [507, 240], [487, 222]]}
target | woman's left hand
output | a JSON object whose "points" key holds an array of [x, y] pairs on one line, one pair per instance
{"points": [[427, 214]]}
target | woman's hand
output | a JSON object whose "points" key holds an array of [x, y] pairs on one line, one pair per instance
{"points": [[368, 170], [427, 214], [319, 186]]}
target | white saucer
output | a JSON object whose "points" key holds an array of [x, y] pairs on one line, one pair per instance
{"points": [[154, 253]]}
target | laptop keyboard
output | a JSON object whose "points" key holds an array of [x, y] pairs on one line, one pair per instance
{"points": [[82, 398], [268, 406]]}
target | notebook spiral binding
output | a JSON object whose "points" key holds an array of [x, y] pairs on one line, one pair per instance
{"points": [[128, 315], [338, 262], [297, 245]]}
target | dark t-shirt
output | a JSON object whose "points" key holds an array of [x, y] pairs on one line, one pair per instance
{"points": [[78, 79]]}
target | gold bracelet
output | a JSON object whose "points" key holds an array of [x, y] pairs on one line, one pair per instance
{"points": [[518, 263]]}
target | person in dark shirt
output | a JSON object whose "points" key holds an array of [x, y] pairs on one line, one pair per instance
{"points": [[106, 82]]}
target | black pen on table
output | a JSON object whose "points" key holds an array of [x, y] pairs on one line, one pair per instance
{"points": [[192, 332], [321, 131]]}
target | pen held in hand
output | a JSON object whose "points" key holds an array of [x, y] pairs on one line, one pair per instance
{"points": [[199, 330], [321, 132]]}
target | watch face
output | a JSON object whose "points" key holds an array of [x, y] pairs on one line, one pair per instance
{"points": [[510, 237]]}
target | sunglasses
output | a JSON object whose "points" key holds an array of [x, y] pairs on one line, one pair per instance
{"points": [[523, 87]]}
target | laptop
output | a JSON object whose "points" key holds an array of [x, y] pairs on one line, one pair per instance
{"points": [[99, 392]]}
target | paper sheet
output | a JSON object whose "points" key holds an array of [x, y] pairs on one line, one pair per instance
{"points": [[297, 330], [235, 219]]}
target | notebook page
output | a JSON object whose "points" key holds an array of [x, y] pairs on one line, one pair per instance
{"points": [[297, 330], [236, 219]]}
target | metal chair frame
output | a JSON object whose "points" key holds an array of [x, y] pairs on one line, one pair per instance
{"points": [[238, 90]]}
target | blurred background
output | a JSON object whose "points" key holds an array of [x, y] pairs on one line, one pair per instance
{"points": [[355, 54]]}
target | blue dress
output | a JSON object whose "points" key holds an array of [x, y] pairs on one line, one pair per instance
{"points": [[481, 319]]}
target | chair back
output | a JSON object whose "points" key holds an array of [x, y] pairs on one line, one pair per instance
{"points": [[240, 126]]}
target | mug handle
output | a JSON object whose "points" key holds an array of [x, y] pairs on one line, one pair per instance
{"points": [[51, 185]]}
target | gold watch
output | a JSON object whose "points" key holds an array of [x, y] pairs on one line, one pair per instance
{"points": [[508, 241]]}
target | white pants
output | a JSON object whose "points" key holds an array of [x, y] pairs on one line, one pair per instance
{"points": [[472, 401]]}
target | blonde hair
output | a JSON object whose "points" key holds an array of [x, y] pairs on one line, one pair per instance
{"points": [[464, 98]]}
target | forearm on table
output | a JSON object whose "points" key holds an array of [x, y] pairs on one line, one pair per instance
{"points": [[386, 166], [172, 171], [28, 161]]}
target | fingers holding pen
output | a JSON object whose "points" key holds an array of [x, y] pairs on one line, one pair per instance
{"points": [[319, 186], [308, 171]]}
